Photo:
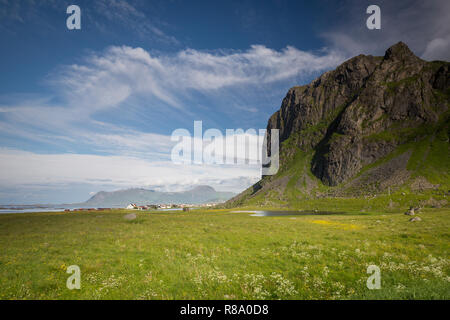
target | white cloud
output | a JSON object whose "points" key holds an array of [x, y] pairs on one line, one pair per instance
{"points": [[20, 168], [108, 79], [140, 160], [437, 49]]}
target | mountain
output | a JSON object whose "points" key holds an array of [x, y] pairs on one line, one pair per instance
{"points": [[121, 198], [372, 125]]}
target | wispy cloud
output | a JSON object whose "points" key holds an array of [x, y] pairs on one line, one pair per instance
{"points": [[105, 16], [128, 15], [107, 79]]}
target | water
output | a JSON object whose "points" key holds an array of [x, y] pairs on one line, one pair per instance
{"points": [[272, 213], [6, 210], [170, 209], [25, 210]]}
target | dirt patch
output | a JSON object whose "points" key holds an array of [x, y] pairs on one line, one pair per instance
{"points": [[421, 183], [434, 203], [390, 174], [306, 184]]}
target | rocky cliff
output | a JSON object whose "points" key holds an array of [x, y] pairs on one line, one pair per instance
{"points": [[370, 124]]}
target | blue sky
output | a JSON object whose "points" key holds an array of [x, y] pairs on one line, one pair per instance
{"points": [[93, 109]]}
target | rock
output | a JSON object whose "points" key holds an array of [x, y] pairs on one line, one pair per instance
{"points": [[353, 116], [435, 203], [415, 219], [130, 216]]}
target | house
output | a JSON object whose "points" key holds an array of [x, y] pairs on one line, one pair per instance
{"points": [[132, 206]]}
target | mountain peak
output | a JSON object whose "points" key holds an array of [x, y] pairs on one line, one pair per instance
{"points": [[399, 51], [353, 130], [203, 188]]}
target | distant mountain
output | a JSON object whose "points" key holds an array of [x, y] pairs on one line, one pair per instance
{"points": [[372, 125], [121, 198]]}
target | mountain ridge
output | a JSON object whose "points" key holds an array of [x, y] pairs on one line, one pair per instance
{"points": [[372, 123], [140, 196]]}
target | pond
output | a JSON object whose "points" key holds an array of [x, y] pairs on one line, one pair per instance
{"points": [[280, 213]]}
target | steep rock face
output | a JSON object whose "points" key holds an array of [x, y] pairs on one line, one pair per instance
{"points": [[342, 114], [308, 105]]}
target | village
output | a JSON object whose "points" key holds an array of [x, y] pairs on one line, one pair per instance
{"points": [[133, 206]]}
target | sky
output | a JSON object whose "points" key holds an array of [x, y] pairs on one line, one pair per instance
{"points": [[94, 109]]}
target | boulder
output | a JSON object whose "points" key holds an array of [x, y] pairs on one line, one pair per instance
{"points": [[130, 216]]}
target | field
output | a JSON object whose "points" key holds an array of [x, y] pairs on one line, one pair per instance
{"points": [[218, 254]]}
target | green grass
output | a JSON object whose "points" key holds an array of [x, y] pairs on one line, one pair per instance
{"points": [[429, 161], [217, 254]]}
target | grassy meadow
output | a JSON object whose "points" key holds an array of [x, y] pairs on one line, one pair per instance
{"points": [[218, 254]]}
